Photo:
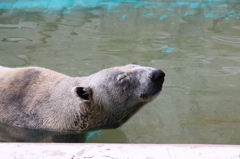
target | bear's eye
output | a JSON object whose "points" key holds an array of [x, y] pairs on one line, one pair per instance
{"points": [[122, 77]]}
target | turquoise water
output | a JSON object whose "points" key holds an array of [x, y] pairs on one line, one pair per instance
{"points": [[196, 42]]}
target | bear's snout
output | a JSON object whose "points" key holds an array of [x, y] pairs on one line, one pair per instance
{"points": [[157, 77]]}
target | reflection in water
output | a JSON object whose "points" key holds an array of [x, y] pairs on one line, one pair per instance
{"points": [[195, 42], [17, 134]]}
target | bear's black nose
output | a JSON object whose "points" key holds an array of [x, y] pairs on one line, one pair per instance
{"points": [[157, 76]]}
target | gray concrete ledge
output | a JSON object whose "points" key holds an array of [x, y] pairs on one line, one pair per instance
{"points": [[116, 151]]}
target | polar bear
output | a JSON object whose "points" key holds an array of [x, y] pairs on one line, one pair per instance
{"points": [[39, 98]]}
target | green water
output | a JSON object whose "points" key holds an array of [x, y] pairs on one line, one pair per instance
{"points": [[196, 44]]}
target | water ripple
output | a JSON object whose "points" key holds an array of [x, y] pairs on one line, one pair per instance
{"points": [[232, 40]]}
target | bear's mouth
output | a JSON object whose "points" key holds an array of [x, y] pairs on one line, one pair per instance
{"points": [[153, 93], [154, 87]]}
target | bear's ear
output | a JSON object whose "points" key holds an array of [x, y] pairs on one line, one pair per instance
{"points": [[84, 93]]}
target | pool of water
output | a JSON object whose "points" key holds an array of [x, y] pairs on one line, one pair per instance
{"points": [[195, 42]]}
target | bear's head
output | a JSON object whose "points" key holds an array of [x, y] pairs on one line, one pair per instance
{"points": [[111, 96]]}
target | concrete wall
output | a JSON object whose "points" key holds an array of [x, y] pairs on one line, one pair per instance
{"points": [[116, 151]]}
